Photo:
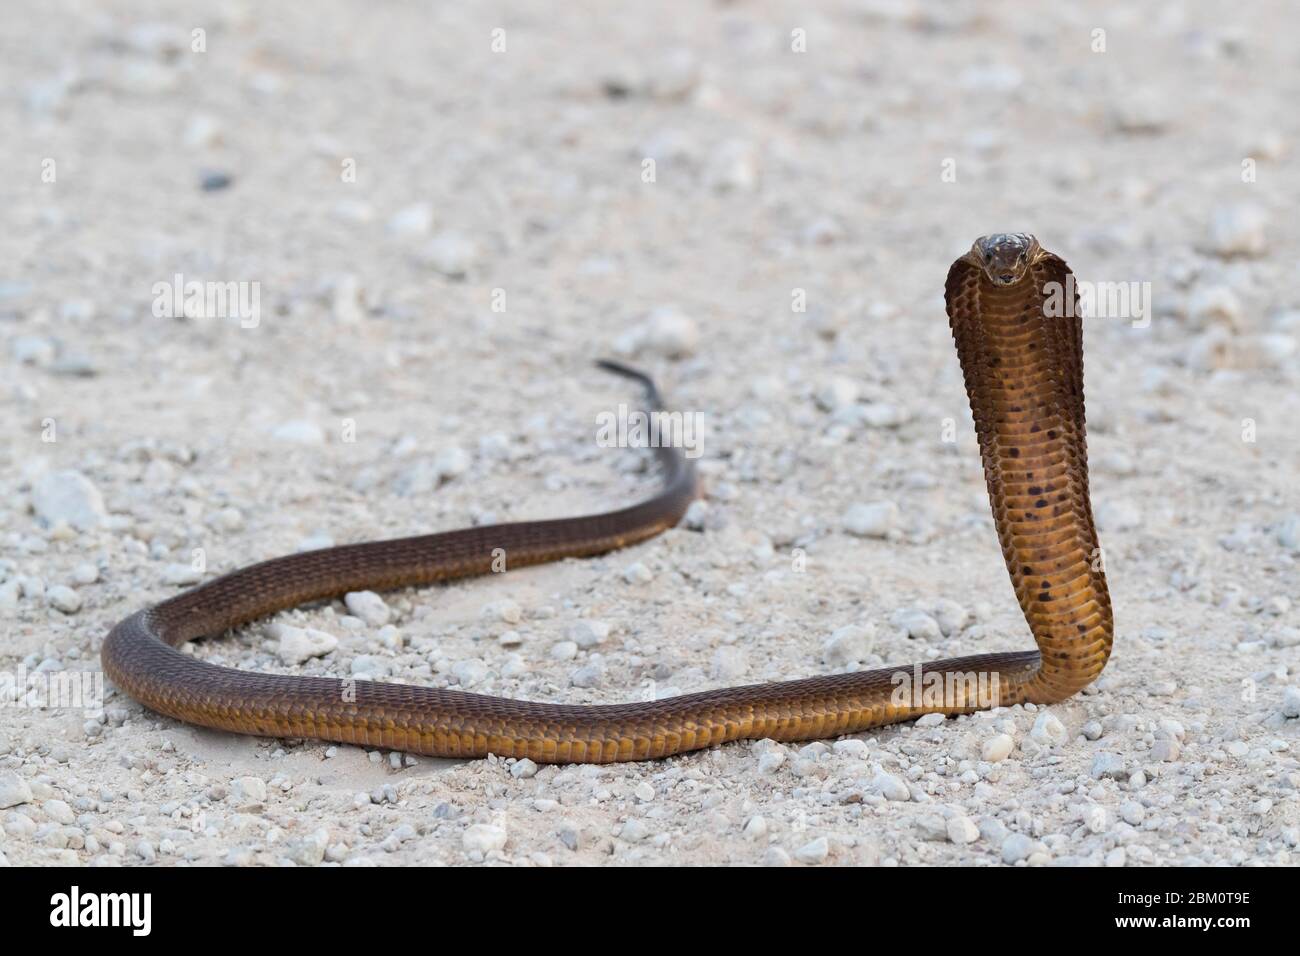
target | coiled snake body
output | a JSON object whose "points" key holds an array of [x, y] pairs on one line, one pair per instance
{"points": [[1024, 377]]}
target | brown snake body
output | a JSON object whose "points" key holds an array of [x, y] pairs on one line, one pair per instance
{"points": [[1024, 377]]}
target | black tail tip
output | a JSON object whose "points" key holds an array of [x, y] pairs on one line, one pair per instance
{"points": [[627, 371]]}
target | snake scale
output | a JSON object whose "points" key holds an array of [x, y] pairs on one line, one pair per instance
{"points": [[1024, 377]]}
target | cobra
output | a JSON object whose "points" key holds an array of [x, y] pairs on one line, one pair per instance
{"points": [[1023, 372]]}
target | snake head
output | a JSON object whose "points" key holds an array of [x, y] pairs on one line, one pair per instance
{"points": [[1005, 257]]}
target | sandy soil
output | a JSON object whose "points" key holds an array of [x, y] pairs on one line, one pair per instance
{"points": [[386, 178]]}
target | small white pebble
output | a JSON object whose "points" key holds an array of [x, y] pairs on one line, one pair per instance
{"points": [[1016, 847], [837, 392], [451, 462], [771, 761], [588, 632], [850, 748], [951, 616], [667, 331], [298, 644], [1106, 764], [1291, 703], [181, 574], [413, 220], [997, 748], [1048, 731], [1238, 230], [68, 497], [589, 676], [85, 573], [368, 606], [890, 786], [483, 838], [1214, 303], [634, 830], [814, 851], [63, 598], [637, 573], [504, 610], [775, 856], [59, 811], [729, 663], [1166, 750], [697, 515], [871, 520], [450, 253], [1132, 812], [469, 672], [252, 789], [916, 624], [299, 433], [370, 666], [961, 830], [849, 644]]}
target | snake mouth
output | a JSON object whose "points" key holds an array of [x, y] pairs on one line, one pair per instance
{"points": [[1004, 278]]}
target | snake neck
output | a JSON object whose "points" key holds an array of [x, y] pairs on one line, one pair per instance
{"points": [[1024, 377]]}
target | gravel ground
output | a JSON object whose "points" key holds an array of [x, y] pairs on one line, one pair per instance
{"points": [[443, 235]]}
